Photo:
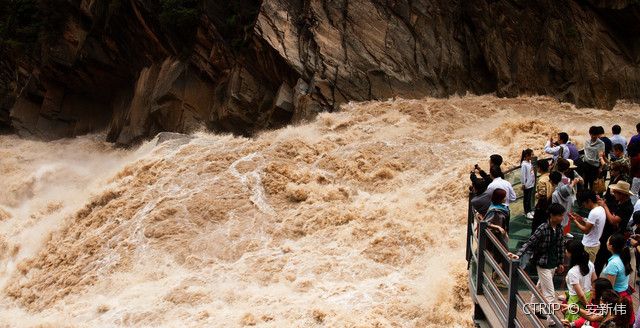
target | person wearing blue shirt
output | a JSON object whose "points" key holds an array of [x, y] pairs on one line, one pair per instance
{"points": [[617, 139], [619, 267]]}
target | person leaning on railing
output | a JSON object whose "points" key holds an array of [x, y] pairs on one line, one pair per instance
{"points": [[498, 217], [494, 160]]}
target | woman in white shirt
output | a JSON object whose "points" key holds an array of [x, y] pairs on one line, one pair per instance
{"points": [[579, 278]]}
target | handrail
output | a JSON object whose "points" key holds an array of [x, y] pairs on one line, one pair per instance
{"points": [[481, 257], [536, 292], [534, 320]]}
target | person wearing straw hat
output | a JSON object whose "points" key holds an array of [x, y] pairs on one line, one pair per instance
{"points": [[618, 215]]}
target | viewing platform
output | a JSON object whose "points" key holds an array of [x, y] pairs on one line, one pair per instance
{"points": [[512, 307]]}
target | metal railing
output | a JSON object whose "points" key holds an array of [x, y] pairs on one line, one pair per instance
{"points": [[481, 261]]}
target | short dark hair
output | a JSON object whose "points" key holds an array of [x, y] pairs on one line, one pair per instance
{"points": [[556, 209], [479, 185], [594, 130], [618, 147], [616, 129], [498, 196], [601, 129], [555, 177], [563, 164], [496, 159], [495, 171], [563, 136], [543, 165], [586, 195], [638, 127]]}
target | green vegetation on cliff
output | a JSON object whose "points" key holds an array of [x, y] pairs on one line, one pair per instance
{"points": [[180, 19], [25, 23], [238, 27]]}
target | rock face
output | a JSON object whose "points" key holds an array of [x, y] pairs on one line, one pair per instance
{"points": [[117, 65]]}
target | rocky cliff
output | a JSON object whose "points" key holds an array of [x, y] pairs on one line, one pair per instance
{"points": [[138, 67]]}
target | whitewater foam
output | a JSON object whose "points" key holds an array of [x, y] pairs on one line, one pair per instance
{"points": [[354, 220]]}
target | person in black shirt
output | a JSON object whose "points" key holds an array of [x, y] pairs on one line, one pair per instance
{"points": [[618, 215], [494, 160], [608, 145]]}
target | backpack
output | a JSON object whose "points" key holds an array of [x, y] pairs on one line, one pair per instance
{"points": [[554, 166]]}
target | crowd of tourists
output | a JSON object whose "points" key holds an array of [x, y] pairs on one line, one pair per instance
{"points": [[611, 229]]}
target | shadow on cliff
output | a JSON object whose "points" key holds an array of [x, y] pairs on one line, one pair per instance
{"points": [[141, 67]]}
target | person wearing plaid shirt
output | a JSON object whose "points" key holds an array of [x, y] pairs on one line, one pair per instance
{"points": [[548, 253]]}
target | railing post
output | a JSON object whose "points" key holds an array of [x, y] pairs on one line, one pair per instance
{"points": [[512, 303], [470, 219], [534, 165], [482, 244]]}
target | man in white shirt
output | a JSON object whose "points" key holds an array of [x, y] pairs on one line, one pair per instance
{"points": [[556, 151], [499, 183], [616, 138], [594, 225]]}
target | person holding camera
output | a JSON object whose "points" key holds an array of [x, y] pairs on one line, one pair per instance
{"points": [[558, 149], [494, 160]]}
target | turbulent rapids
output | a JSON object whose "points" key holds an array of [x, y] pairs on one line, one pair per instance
{"points": [[354, 220]]}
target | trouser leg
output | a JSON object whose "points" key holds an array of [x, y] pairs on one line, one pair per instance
{"points": [[545, 285], [635, 188], [526, 201], [593, 252], [601, 259], [590, 174]]}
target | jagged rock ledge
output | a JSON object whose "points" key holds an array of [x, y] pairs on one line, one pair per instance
{"points": [[249, 65]]}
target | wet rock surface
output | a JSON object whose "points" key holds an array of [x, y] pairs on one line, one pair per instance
{"points": [[117, 66]]}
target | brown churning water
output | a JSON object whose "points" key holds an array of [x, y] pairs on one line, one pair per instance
{"points": [[354, 220]]}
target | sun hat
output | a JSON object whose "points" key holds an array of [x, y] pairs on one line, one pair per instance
{"points": [[621, 186], [564, 190]]}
